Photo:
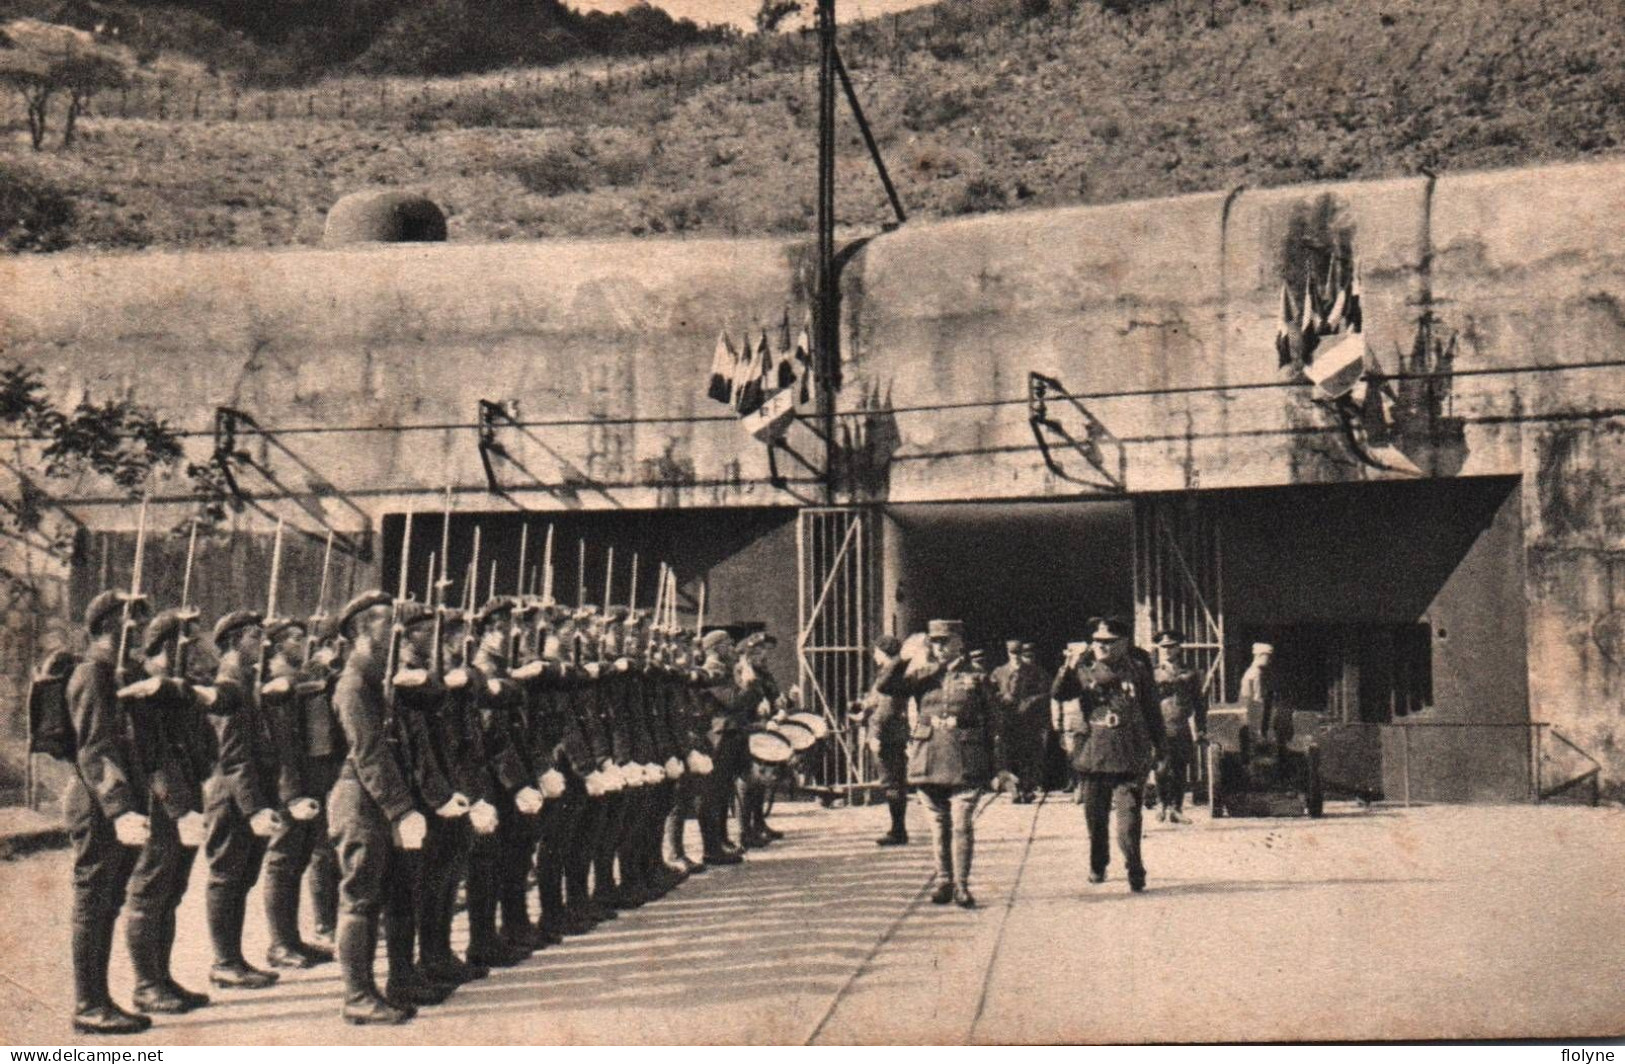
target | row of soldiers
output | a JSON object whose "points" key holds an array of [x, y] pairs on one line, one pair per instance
{"points": [[394, 750]]}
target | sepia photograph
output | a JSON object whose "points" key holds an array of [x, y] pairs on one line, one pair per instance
{"points": [[812, 523]]}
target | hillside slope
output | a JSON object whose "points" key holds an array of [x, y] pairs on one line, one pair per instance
{"points": [[978, 105]]}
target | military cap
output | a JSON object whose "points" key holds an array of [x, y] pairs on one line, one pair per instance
{"points": [[412, 614], [616, 612], [1013, 645], [363, 602], [232, 623], [1262, 648], [888, 645], [978, 656], [108, 605], [555, 612], [1170, 637], [1110, 628], [715, 638], [1029, 648], [940, 629], [160, 630], [500, 606], [277, 627], [585, 614], [323, 626]]}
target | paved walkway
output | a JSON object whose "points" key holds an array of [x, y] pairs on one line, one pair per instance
{"points": [[1387, 923]]}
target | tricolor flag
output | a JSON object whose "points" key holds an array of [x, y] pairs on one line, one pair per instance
{"points": [[748, 381], [1283, 329], [765, 366], [803, 356], [1352, 314], [787, 362], [1309, 324], [723, 362]]}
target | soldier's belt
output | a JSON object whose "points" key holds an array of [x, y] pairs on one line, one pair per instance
{"points": [[1109, 719]]}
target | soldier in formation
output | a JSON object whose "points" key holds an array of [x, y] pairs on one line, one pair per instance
{"points": [[391, 754]]}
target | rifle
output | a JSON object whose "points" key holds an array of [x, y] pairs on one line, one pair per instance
{"points": [[547, 570], [183, 631], [397, 630], [126, 622], [438, 640], [581, 574], [470, 640], [609, 579], [515, 620], [263, 665], [312, 637]]}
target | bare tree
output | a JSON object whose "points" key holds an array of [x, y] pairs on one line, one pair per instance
{"points": [[30, 76], [82, 77]]}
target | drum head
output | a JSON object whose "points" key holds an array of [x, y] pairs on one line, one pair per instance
{"points": [[770, 748], [801, 737], [813, 722]]}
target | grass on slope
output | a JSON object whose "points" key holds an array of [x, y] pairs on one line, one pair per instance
{"points": [[978, 105]]}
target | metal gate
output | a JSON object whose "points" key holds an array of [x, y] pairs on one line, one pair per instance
{"points": [[837, 587], [1179, 582]]}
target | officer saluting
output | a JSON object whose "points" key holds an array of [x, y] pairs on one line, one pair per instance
{"points": [[371, 808], [951, 748], [1119, 729], [1179, 689]]}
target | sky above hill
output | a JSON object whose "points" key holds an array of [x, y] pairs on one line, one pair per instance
{"points": [[742, 13]]}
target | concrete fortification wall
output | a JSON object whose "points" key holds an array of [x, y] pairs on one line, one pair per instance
{"points": [[1462, 280]]}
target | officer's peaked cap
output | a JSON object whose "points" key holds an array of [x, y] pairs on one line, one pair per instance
{"points": [[1263, 648], [1110, 628], [1170, 637], [944, 629]]}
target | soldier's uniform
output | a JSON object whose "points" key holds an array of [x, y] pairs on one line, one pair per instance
{"points": [[1258, 693], [597, 783], [689, 724], [1121, 735], [1179, 691], [1024, 694], [371, 797], [243, 785], [324, 759], [951, 753], [286, 691], [886, 717], [730, 711], [108, 784], [181, 754]]}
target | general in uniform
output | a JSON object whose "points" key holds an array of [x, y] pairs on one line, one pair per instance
{"points": [[1121, 736], [951, 748]]}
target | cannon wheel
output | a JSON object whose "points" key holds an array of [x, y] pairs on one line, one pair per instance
{"points": [[1215, 780], [1314, 796]]}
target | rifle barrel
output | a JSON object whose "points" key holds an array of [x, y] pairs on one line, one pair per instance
{"points": [[276, 572]]}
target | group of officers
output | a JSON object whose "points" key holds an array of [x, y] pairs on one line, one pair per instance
{"points": [[394, 752], [943, 725]]}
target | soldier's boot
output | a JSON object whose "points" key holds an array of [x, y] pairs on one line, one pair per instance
{"points": [[898, 835], [322, 877], [94, 1011], [671, 845], [225, 910], [406, 985], [143, 935], [166, 951], [282, 916], [550, 894], [357, 941]]}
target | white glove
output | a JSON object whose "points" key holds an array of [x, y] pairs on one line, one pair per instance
{"points": [[410, 830], [278, 686], [205, 695], [412, 678], [529, 670], [594, 782], [456, 806], [264, 823], [528, 800], [631, 774], [304, 808], [623, 664], [614, 778], [674, 769], [132, 829], [653, 774], [551, 784], [192, 828], [142, 688], [456, 679], [483, 816], [699, 763]]}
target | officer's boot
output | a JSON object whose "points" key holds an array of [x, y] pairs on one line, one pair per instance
{"points": [[94, 1011], [485, 949], [166, 946], [225, 912], [671, 843], [282, 915], [897, 805], [357, 941], [405, 984], [322, 877]]}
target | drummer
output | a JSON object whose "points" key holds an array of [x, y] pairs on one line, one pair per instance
{"points": [[754, 676]]}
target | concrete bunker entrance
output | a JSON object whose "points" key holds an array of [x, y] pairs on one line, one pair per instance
{"points": [[1034, 571]]}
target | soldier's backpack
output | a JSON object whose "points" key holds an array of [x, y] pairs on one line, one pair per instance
{"points": [[50, 725]]}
